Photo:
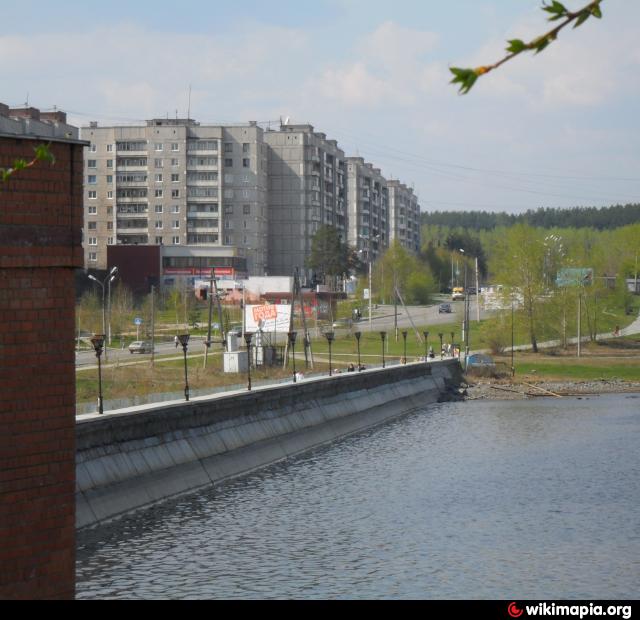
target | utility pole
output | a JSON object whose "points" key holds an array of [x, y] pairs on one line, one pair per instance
{"points": [[207, 344], [153, 325], [579, 324]]}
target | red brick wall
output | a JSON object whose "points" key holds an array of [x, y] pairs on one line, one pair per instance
{"points": [[40, 245]]}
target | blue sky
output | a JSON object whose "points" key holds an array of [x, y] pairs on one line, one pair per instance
{"points": [[560, 129]]}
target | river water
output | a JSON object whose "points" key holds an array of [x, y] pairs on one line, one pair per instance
{"points": [[475, 500]]}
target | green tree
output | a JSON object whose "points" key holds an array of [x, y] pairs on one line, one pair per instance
{"points": [[329, 255], [519, 265]]}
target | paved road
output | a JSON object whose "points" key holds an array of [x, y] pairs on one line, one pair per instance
{"points": [[88, 358]]}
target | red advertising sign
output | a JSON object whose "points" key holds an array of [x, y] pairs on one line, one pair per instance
{"points": [[264, 313]]}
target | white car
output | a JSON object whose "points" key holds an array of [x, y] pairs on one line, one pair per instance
{"points": [[140, 346]]}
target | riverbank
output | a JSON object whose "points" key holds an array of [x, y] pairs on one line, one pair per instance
{"points": [[521, 390]]}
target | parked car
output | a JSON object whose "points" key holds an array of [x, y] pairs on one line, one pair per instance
{"points": [[140, 346], [444, 309]]}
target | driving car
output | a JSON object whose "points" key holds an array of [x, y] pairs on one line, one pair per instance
{"points": [[444, 309], [141, 346]]}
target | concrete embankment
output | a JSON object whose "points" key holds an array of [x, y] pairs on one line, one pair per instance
{"points": [[140, 456]]}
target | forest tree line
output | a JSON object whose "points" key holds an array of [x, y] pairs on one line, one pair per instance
{"points": [[599, 218]]}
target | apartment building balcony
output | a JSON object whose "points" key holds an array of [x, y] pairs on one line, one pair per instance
{"points": [[132, 239], [132, 167], [203, 226], [202, 167], [203, 239], [132, 199], [132, 215], [132, 227]]}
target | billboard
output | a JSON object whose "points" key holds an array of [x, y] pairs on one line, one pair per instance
{"points": [[270, 318], [574, 277]]}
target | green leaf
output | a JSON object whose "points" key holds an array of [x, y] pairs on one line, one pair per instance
{"points": [[584, 16], [44, 154], [557, 10], [465, 77], [596, 11], [516, 46]]}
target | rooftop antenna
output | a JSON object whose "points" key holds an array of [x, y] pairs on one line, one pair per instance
{"points": [[286, 121], [189, 108]]}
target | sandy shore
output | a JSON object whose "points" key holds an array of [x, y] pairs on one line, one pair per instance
{"points": [[500, 390]]}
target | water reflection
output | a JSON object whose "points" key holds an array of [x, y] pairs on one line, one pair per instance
{"points": [[469, 500]]}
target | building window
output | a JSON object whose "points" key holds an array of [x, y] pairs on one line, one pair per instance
{"points": [[109, 148], [176, 224], [109, 163], [158, 224], [175, 146], [158, 146], [158, 240], [175, 240], [92, 179], [228, 163], [92, 225], [93, 210], [246, 209], [158, 178], [91, 163], [93, 257], [157, 163], [158, 208], [175, 178], [175, 209], [175, 193], [228, 147], [109, 178], [93, 240], [246, 147], [93, 148], [175, 162], [93, 195], [110, 195], [158, 193], [246, 163]]}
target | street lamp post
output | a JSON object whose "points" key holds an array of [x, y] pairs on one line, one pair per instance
{"points": [[404, 337], [247, 338], [330, 337], [108, 279], [441, 347], [426, 346], [292, 342], [358, 335], [98, 343], [383, 336], [183, 339], [453, 335]]}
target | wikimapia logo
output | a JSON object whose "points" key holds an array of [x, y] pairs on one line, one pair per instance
{"points": [[581, 611]]}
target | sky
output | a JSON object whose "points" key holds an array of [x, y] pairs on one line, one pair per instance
{"points": [[560, 129]]}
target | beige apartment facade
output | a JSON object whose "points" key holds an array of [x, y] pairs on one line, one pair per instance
{"points": [[368, 201], [307, 189], [404, 215], [179, 184]]}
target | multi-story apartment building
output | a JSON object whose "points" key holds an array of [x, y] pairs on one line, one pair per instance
{"points": [[199, 191], [307, 189], [368, 208], [404, 215]]}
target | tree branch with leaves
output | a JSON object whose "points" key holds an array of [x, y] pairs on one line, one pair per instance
{"points": [[468, 77], [42, 153]]}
